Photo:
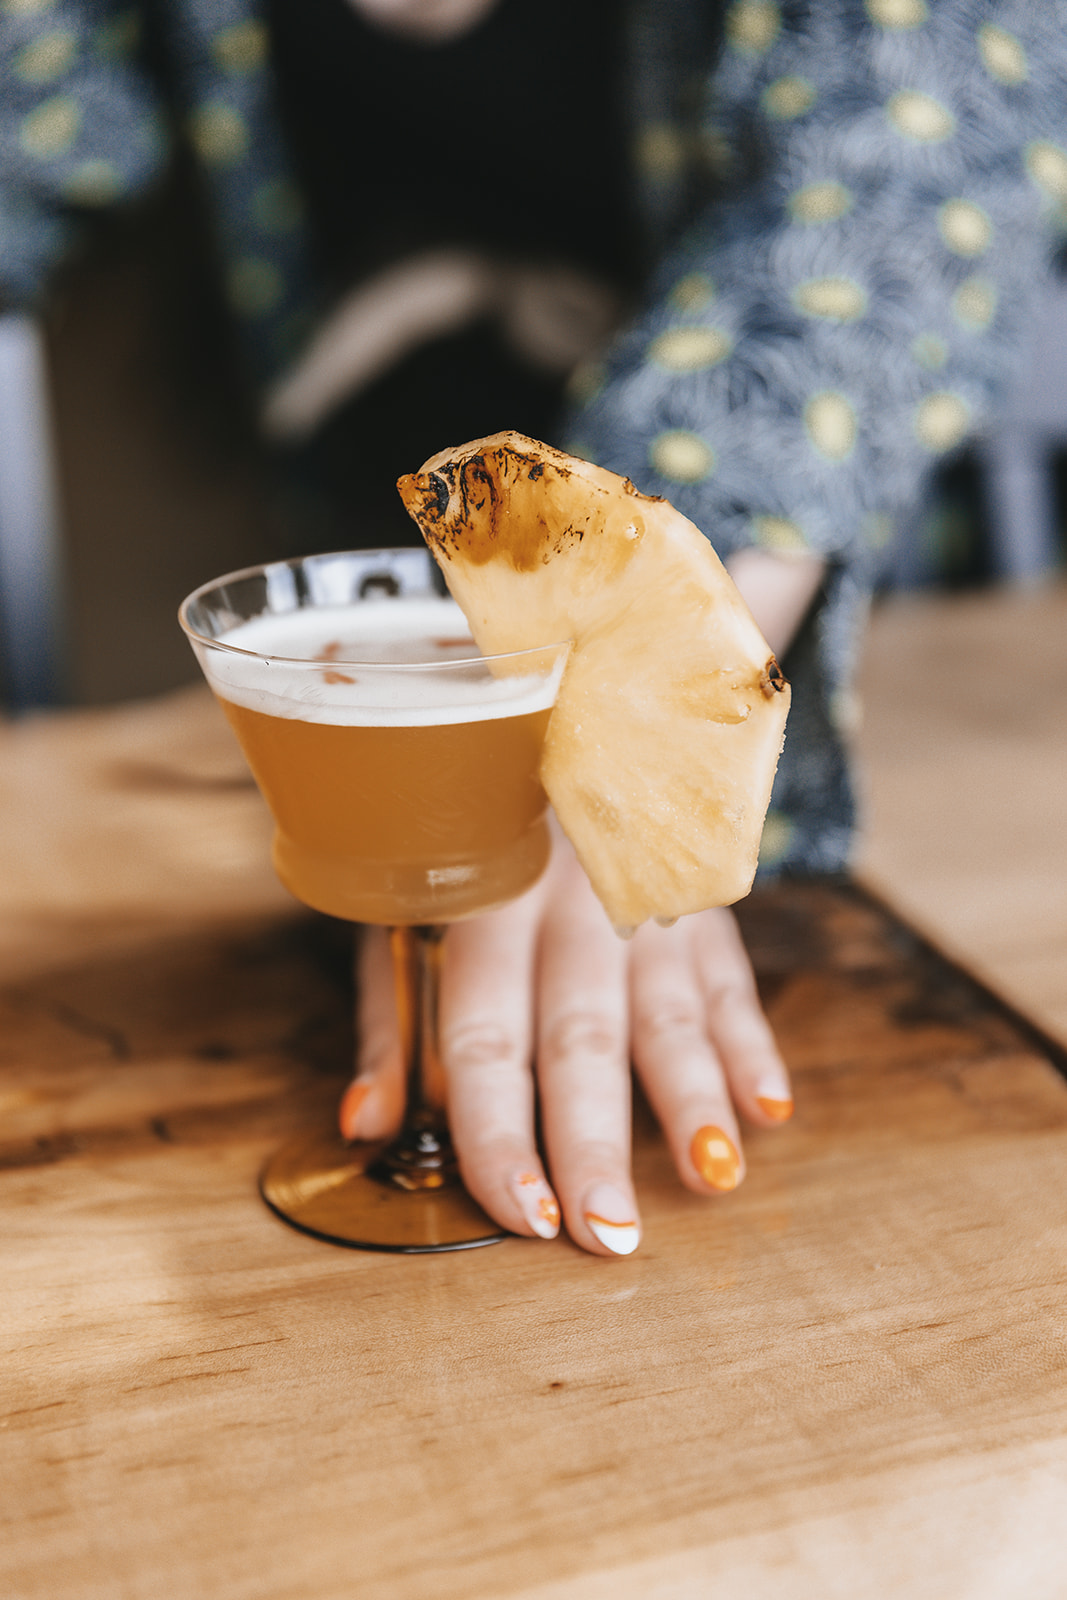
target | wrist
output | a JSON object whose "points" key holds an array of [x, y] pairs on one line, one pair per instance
{"points": [[778, 589]]}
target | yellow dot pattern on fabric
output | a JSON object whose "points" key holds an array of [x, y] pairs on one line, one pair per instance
{"points": [[836, 299], [831, 424], [878, 529], [788, 97], [119, 37], [276, 206], [693, 292], [93, 183], [965, 227], [897, 15], [689, 349], [920, 117], [255, 287], [46, 58], [941, 421], [51, 129], [1047, 165], [779, 534], [242, 48], [975, 303], [820, 202], [1002, 55], [753, 26], [715, 150], [681, 456], [586, 382], [219, 134], [930, 351], [777, 834], [660, 150]]}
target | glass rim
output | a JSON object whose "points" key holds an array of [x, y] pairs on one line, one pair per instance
{"points": [[196, 637]]}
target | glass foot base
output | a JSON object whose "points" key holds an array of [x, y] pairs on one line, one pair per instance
{"points": [[319, 1184]]}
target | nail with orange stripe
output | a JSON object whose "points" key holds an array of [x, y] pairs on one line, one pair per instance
{"points": [[611, 1220], [537, 1203]]}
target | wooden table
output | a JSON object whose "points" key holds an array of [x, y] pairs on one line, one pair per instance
{"points": [[963, 748], [848, 1379]]}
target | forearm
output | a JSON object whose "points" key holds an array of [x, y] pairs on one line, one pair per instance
{"points": [[778, 590]]}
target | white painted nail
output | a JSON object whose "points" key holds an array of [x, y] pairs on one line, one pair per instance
{"points": [[610, 1218]]}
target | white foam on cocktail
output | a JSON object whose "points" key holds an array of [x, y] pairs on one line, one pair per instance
{"points": [[355, 666]]}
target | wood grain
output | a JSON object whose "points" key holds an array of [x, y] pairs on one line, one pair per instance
{"points": [[853, 1366], [123, 820], [847, 1379]]}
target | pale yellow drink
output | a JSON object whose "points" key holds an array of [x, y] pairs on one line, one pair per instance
{"points": [[398, 795]]}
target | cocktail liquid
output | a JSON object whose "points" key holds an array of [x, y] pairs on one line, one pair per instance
{"points": [[399, 795]]}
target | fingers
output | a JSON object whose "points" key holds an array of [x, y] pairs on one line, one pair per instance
{"points": [[373, 1104], [486, 1040], [757, 1075], [702, 1045], [583, 1065], [677, 1062], [686, 999]]}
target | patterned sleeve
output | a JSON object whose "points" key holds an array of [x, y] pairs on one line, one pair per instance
{"points": [[79, 128], [846, 314]]}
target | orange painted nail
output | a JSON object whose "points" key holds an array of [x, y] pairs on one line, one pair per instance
{"points": [[716, 1159], [777, 1110], [351, 1105]]}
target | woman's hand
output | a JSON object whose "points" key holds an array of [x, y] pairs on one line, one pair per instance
{"points": [[543, 999]]}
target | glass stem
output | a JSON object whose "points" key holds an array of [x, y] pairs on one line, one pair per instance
{"points": [[421, 1156]]}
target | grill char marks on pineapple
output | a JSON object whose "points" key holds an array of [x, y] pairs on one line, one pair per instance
{"points": [[439, 488], [514, 500], [460, 499], [772, 679]]}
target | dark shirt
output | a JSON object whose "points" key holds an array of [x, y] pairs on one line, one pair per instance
{"points": [[512, 139]]}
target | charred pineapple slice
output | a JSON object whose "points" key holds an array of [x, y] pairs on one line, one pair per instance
{"points": [[666, 733]]}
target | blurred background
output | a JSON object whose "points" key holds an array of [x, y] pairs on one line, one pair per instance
{"points": [[132, 468], [481, 210]]}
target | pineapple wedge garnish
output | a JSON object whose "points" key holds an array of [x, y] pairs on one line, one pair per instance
{"points": [[664, 740]]}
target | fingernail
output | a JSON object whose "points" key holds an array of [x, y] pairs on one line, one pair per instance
{"points": [[777, 1109], [715, 1158], [351, 1105], [537, 1203], [609, 1216]]}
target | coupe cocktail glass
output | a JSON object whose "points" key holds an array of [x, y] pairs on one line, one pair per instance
{"points": [[401, 769]]}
